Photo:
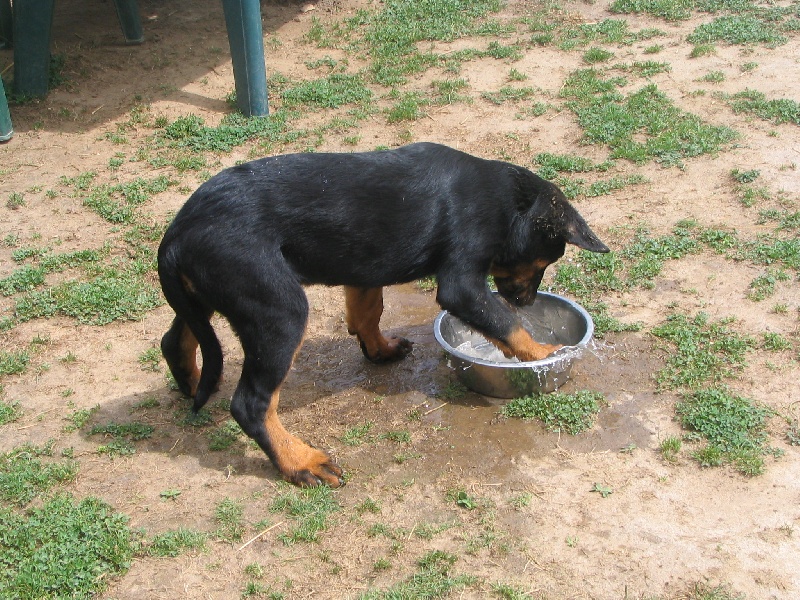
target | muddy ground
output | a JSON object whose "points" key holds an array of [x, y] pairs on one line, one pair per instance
{"points": [[665, 528]]}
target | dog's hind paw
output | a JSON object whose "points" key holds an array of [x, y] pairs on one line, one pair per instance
{"points": [[391, 350]]}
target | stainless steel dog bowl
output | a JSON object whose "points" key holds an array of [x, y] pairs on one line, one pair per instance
{"points": [[551, 319]]}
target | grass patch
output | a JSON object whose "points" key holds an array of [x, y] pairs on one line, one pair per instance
{"points": [[670, 447], [741, 29], [572, 413], [63, 549], [117, 203], [177, 541], [13, 363], [24, 474], [309, 508], [357, 435], [121, 437], [753, 102], [229, 515], [669, 10], [333, 91], [433, 579], [9, 411], [763, 286], [702, 351], [409, 107], [391, 36], [733, 427], [110, 296], [643, 126], [224, 436], [607, 31]]}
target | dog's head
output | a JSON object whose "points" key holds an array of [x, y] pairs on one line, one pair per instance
{"points": [[545, 222]]}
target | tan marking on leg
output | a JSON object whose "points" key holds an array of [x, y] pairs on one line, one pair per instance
{"points": [[524, 347], [298, 462], [189, 358], [363, 310]]}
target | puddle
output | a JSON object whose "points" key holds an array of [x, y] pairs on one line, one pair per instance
{"points": [[466, 433]]}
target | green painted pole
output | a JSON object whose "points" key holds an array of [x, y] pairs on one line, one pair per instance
{"points": [[6, 24], [6, 130], [32, 24], [128, 13], [243, 20]]}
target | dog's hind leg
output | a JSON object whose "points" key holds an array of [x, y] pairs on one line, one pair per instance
{"points": [[271, 333], [364, 307], [179, 347]]}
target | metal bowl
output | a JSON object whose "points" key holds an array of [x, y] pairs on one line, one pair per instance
{"points": [[551, 319]]}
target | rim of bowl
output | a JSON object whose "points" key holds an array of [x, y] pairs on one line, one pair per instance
{"points": [[543, 363]]}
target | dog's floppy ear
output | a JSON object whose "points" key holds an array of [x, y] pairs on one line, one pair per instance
{"points": [[579, 234]]}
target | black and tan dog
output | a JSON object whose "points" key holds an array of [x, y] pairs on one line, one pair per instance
{"points": [[249, 238]]}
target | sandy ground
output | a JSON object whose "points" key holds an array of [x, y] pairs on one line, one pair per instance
{"points": [[665, 527]]}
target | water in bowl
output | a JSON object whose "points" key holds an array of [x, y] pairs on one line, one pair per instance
{"points": [[485, 351], [481, 348]]}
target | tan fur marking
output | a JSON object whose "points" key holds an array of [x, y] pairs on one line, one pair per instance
{"points": [[524, 347], [292, 455], [363, 310], [187, 283], [189, 358]]}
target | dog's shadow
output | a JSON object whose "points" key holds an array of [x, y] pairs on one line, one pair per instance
{"points": [[325, 368]]}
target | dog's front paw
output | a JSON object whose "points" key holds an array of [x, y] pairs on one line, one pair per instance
{"points": [[546, 350], [320, 470]]}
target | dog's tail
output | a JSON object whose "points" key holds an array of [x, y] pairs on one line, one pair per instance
{"points": [[195, 315]]}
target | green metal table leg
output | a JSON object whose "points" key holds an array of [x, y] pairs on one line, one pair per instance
{"points": [[6, 131], [128, 13], [32, 23], [6, 24], [243, 20]]}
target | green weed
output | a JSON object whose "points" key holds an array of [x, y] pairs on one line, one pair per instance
{"points": [[309, 508], [13, 363], [150, 360], [755, 103], [9, 411], [15, 201], [738, 29], [63, 549], [607, 31], [357, 435], [670, 448], [391, 35], [643, 126], [224, 436], [734, 425], [174, 542], [24, 474], [509, 94], [597, 55], [121, 437], [79, 419], [401, 436], [433, 579], [670, 10], [229, 515], [409, 107], [333, 91], [763, 286], [572, 413], [774, 342], [110, 296], [703, 351]]}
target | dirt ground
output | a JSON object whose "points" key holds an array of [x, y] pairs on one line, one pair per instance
{"points": [[665, 527]]}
